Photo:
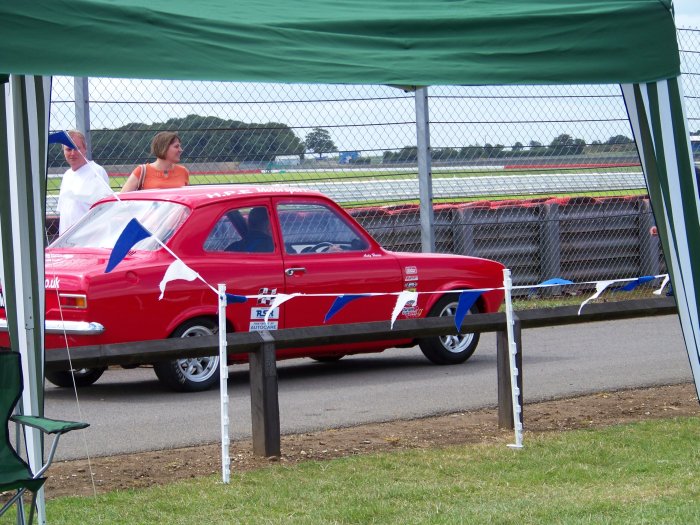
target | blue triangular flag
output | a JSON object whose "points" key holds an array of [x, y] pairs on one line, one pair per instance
{"points": [[466, 301], [232, 298], [633, 284], [549, 282], [61, 137], [133, 233], [339, 303], [556, 280]]}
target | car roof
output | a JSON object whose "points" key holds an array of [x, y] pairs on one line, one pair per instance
{"points": [[202, 195]]}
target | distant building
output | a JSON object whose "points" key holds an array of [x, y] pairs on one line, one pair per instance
{"points": [[285, 161], [346, 157], [695, 145]]}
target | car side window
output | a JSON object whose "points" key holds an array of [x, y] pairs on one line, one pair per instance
{"points": [[244, 230], [315, 228]]}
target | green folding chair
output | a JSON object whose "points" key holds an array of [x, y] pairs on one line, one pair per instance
{"points": [[15, 473]]}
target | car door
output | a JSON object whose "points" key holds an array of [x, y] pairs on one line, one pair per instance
{"points": [[241, 250], [326, 252]]}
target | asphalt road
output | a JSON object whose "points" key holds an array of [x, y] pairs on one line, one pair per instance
{"points": [[482, 186], [130, 411]]}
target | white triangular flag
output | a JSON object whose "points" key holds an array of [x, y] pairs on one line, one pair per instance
{"points": [[663, 285], [600, 287], [177, 270], [401, 300], [279, 299]]}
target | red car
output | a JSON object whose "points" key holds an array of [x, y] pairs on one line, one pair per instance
{"points": [[258, 241]]}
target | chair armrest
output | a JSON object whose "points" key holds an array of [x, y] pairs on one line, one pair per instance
{"points": [[49, 426]]}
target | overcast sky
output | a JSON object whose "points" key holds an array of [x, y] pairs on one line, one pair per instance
{"points": [[687, 13]]}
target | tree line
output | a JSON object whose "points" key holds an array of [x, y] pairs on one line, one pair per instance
{"points": [[204, 139], [561, 145], [212, 139]]}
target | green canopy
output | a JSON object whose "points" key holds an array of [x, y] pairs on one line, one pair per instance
{"points": [[348, 41]]}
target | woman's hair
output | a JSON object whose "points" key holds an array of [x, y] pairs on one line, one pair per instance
{"points": [[161, 143]]}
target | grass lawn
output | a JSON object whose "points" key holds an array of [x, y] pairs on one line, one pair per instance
{"points": [[640, 473], [583, 292]]}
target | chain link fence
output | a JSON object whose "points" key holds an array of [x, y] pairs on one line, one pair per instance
{"points": [[545, 179]]}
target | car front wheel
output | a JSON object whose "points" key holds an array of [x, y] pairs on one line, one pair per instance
{"points": [[191, 374], [449, 349]]}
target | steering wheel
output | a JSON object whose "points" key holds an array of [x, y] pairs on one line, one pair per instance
{"points": [[318, 248]]}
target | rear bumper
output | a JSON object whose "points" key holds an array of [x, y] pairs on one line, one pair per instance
{"points": [[67, 327]]}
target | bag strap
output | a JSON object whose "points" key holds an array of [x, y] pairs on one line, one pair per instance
{"points": [[142, 177]]}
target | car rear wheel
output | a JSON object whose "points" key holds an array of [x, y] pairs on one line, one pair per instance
{"points": [[194, 374], [449, 349], [83, 377], [328, 358]]}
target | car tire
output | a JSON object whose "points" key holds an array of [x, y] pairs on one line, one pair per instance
{"points": [[328, 358], [449, 349], [83, 377], [194, 374]]}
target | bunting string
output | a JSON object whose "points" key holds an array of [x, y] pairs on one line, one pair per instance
{"points": [[135, 232], [269, 296]]}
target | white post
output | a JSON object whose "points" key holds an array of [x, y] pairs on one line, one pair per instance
{"points": [[514, 372], [223, 387]]}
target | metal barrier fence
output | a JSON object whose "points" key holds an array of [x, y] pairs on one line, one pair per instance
{"points": [[580, 239], [491, 147]]}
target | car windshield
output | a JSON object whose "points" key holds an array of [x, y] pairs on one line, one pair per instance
{"points": [[104, 223]]}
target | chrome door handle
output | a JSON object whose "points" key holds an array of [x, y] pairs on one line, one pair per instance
{"points": [[292, 271]]}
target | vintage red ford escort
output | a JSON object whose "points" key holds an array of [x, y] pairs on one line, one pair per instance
{"points": [[258, 241]]}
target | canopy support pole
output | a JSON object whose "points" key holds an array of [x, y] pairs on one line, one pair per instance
{"points": [[24, 122], [657, 114], [425, 176]]}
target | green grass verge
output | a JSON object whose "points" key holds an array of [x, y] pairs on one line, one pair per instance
{"points": [[638, 473], [583, 293]]}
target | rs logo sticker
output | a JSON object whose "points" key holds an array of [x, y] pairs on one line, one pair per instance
{"points": [[259, 313]]}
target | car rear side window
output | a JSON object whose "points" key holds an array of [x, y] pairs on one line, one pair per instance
{"points": [[244, 230], [315, 228], [104, 223]]}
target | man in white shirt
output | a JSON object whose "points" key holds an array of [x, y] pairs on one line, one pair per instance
{"points": [[83, 184]]}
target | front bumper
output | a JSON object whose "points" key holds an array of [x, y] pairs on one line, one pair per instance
{"points": [[66, 327]]}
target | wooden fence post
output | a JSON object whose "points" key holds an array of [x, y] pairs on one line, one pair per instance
{"points": [[505, 400], [264, 402]]}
